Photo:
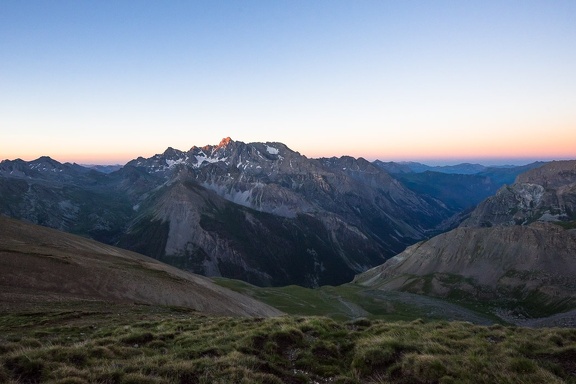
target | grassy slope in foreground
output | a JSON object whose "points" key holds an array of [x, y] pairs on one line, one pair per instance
{"points": [[103, 343], [39, 264]]}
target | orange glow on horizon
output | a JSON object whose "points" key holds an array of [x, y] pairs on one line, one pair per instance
{"points": [[536, 141], [386, 153], [81, 158]]}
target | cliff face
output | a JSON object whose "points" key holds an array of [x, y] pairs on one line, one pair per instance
{"points": [[518, 248]]}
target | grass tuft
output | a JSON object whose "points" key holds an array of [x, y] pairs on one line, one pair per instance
{"points": [[25, 369]]}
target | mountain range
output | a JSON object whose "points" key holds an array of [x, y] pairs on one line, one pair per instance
{"points": [[461, 187], [259, 212], [394, 167]]}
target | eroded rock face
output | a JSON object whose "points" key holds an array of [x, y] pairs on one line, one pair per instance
{"points": [[487, 254], [531, 268], [547, 193], [512, 205]]}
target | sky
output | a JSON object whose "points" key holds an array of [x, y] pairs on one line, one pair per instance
{"points": [[441, 82]]}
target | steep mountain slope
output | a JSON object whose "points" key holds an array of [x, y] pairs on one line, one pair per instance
{"points": [[516, 250], [529, 268], [42, 264], [194, 228]]}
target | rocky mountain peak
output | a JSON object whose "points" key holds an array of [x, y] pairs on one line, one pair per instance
{"points": [[172, 154], [45, 162], [224, 142]]}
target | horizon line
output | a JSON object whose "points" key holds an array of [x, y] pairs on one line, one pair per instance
{"points": [[432, 162]]}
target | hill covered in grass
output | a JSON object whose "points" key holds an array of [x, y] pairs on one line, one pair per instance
{"points": [[102, 343], [39, 264]]}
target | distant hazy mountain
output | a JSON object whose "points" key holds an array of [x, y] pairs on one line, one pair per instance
{"points": [[414, 167], [39, 264], [103, 168], [517, 249], [462, 191], [259, 212]]}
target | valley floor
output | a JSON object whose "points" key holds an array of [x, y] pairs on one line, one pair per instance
{"points": [[351, 301]]}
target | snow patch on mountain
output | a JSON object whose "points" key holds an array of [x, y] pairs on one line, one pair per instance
{"points": [[202, 158], [172, 163], [271, 150]]}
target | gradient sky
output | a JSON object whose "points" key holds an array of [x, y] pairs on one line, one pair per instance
{"points": [[433, 81]]}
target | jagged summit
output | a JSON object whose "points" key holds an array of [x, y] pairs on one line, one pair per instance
{"points": [[252, 158], [210, 147], [225, 141]]}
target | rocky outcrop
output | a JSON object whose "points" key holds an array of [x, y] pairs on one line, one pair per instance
{"points": [[547, 193]]}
